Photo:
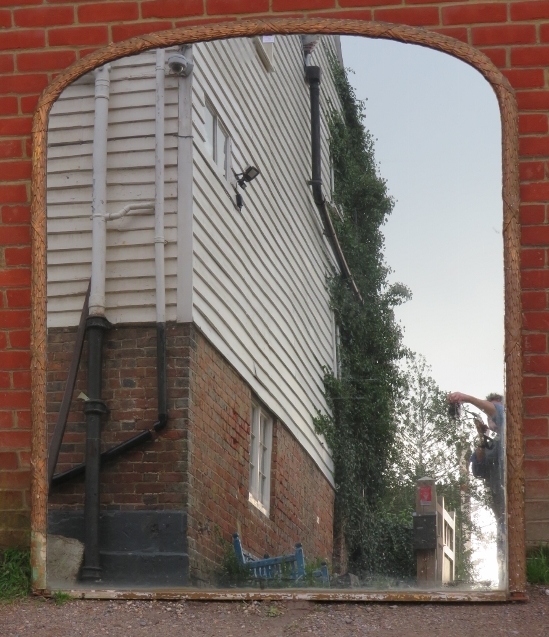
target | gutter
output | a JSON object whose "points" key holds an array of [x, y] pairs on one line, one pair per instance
{"points": [[313, 77]]}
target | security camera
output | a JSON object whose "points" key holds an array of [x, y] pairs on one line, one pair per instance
{"points": [[180, 65]]}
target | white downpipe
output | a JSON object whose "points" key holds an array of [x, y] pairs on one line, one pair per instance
{"points": [[159, 191], [99, 194]]}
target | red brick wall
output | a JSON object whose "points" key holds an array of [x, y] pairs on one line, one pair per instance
{"points": [[219, 441], [201, 461], [39, 38], [152, 476]]}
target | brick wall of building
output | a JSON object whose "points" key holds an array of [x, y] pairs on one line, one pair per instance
{"points": [[200, 462], [38, 39]]}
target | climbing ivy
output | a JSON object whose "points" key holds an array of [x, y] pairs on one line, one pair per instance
{"points": [[361, 425]]}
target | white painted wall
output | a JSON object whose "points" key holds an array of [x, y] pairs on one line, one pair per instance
{"points": [[252, 281]]}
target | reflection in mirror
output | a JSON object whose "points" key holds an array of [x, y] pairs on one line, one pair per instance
{"points": [[238, 394]]}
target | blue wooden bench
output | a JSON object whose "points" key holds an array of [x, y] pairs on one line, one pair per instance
{"points": [[290, 567]]}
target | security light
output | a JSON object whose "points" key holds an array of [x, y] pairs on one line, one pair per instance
{"points": [[248, 175]]}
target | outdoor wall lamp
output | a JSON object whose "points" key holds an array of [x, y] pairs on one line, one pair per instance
{"points": [[242, 179], [248, 175]]}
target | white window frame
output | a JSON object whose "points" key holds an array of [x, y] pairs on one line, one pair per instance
{"points": [[261, 451], [218, 126]]}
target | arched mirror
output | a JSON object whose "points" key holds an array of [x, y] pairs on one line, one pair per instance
{"points": [[275, 322]]}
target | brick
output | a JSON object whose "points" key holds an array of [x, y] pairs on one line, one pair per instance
{"points": [[535, 427], [13, 194], [20, 339], [535, 343], [171, 8], [532, 170], [533, 56], [43, 16], [126, 31], [414, 16], [533, 123], [367, 3], [78, 36], [533, 300], [14, 360], [214, 7], [22, 84], [544, 33], [535, 235], [15, 278], [11, 500], [15, 126], [537, 10], [5, 380], [22, 39], [109, 12], [10, 148], [536, 406], [537, 488], [29, 103], [498, 56], [15, 479], [46, 61], [536, 191], [8, 106], [6, 63], [299, 5], [23, 419], [13, 319], [474, 14], [536, 321], [533, 100], [21, 380], [533, 146], [503, 34], [18, 256], [8, 460], [534, 386], [18, 298], [537, 448], [15, 214], [14, 171], [532, 214], [458, 33], [535, 279], [15, 439], [525, 78]]}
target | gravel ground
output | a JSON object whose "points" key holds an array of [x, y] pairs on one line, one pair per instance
{"points": [[38, 617]]}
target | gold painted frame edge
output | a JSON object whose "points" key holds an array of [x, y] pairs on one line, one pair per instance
{"points": [[511, 243]]}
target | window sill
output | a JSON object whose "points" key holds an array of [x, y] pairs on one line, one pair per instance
{"points": [[258, 505]]}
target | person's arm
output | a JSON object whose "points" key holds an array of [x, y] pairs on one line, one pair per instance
{"points": [[484, 405]]}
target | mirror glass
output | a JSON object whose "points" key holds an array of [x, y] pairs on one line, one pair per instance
{"points": [[275, 321]]}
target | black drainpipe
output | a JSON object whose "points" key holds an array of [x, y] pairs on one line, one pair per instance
{"points": [[313, 76], [161, 377], [94, 408]]}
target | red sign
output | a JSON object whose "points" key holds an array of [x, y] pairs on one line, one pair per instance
{"points": [[425, 495]]}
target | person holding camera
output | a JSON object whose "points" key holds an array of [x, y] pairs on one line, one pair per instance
{"points": [[488, 460]]}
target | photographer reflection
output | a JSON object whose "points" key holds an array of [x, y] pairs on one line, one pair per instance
{"points": [[488, 459]]}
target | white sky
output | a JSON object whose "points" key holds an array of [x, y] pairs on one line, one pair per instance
{"points": [[438, 145]]}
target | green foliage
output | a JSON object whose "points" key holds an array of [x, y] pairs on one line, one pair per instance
{"points": [[537, 566], [15, 573], [232, 571], [362, 421], [61, 598]]}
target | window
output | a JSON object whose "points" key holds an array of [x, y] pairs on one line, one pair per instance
{"points": [[217, 140], [260, 458]]}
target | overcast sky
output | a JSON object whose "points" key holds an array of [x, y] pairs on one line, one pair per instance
{"points": [[438, 145]]}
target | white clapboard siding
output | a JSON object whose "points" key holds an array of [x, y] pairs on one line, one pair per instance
{"points": [[260, 275], [130, 278]]}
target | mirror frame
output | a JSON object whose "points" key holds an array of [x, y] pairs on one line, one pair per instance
{"points": [[511, 261]]}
